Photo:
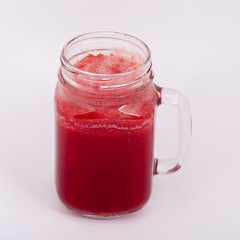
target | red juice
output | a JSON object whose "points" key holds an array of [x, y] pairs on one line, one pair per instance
{"points": [[104, 148]]}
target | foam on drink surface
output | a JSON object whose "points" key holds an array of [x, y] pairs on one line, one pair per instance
{"points": [[118, 62]]}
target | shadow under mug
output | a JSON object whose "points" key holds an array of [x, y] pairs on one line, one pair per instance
{"points": [[105, 129]]}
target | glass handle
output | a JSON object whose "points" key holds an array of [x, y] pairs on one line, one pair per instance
{"points": [[175, 98]]}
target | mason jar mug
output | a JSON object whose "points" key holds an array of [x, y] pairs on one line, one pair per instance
{"points": [[105, 105]]}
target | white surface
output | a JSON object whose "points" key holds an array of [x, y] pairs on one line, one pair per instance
{"points": [[195, 48]]}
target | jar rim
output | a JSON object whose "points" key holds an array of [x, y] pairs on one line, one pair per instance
{"points": [[104, 34]]}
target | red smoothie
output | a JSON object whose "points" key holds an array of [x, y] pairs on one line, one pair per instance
{"points": [[104, 148]]}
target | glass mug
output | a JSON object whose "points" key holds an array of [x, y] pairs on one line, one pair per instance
{"points": [[105, 129]]}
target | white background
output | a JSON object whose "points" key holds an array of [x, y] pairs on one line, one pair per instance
{"points": [[195, 48]]}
